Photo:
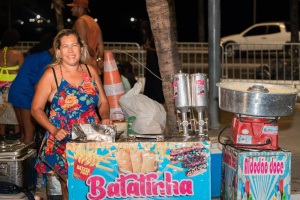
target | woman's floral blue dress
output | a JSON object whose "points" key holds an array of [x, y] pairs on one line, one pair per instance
{"points": [[69, 105]]}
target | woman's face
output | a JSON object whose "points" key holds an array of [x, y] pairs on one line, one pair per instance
{"points": [[70, 50]]}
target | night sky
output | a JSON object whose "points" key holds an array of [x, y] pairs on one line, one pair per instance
{"points": [[114, 17]]}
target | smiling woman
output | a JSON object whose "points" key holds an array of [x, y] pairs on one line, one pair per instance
{"points": [[70, 52], [75, 92]]}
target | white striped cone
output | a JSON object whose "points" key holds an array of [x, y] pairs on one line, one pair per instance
{"points": [[113, 86]]}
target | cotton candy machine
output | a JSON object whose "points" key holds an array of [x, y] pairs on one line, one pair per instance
{"points": [[257, 108]]}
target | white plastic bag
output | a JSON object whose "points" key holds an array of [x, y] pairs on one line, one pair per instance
{"points": [[150, 115]]}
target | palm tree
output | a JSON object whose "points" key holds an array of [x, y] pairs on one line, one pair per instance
{"points": [[167, 52], [173, 17], [57, 5]]}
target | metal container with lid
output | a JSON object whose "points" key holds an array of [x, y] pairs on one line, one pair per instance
{"points": [[11, 149], [257, 99], [182, 93], [17, 162], [199, 91]]}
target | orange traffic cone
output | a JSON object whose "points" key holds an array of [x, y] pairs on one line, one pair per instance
{"points": [[113, 86]]}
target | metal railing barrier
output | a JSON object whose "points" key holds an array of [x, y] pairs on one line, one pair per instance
{"points": [[267, 63]]}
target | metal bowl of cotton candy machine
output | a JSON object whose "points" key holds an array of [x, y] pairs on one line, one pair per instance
{"points": [[257, 99]]}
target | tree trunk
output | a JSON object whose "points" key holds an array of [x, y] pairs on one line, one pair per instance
{"points": [[173, 17], [57, 5], [59, 20], [167, 52]]}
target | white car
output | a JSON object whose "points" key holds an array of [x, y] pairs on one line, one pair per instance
{"points": [[262, 36]]}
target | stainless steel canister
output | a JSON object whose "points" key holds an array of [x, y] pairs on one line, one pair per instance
{"points": [[182, 94], [199, 91], [53, 186]]}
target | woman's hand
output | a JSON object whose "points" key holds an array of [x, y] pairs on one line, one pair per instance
{"points": [[106, 122], [60, 134]]}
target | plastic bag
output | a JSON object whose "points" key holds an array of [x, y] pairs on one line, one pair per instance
{"points": [[150, 115]]}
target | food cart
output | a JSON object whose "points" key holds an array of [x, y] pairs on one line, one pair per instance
{"points": [[147, 166], [138, 169]]}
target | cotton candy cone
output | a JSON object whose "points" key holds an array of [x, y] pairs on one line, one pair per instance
{"points": [[113, 86]]}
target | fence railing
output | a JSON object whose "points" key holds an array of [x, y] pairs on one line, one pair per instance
{"points": [[194, 56], [123, 51], [268, 63], [24, 46]]}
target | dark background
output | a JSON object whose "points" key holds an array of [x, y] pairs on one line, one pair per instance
{"points": [[114, 17]]}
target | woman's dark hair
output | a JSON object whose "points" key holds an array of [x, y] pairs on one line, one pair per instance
{"points": [[10, 38], [45, 44]]}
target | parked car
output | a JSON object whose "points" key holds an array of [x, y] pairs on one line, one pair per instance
{"points": [[262, 36]]}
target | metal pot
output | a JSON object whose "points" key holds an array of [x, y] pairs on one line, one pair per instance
{"points": [[257, 99]]}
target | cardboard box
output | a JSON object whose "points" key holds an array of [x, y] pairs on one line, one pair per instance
{"points": [[256, 175]]}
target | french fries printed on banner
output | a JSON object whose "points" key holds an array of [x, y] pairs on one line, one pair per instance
{"points": [[143, 157]]}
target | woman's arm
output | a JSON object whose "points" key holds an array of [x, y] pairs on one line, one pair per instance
{"points": [[44, 91]]}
